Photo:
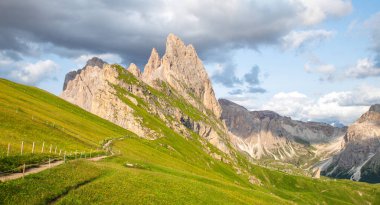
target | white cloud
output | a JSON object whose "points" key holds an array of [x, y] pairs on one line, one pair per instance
{"points": [[297, 39], [369, 66], [27, 73], [364, 68], [317, 11], [132, 28], [34, 73], [326, 71], [323, 69], [345, 106]]}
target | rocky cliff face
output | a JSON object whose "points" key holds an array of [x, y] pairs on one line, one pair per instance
{"points": [[180, 96], [181, 69], [266, 134], [90, 89], [360, 158]]}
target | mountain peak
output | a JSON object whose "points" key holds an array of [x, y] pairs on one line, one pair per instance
{"points": [[174, 45], [134, 70], [375, 108], [95, 61], [151, 67], [181, 68]]}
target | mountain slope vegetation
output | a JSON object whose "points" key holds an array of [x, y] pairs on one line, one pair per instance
{"points": [[168, 170]]}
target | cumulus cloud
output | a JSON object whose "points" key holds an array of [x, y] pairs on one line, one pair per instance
{"points": [[131, 28], [317, 11], [369, 66], [253, 81], [364, 68], [297, 39], [249, 83], [28, 73], [326, 71], [256, 90], [373, 24], [252, 77], [236, 92], [225, 75], [344, 106]]}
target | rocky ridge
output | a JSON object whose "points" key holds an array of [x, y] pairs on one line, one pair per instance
{"points": [[266, 134], [360, 158], [181, 68], [172, 92]]}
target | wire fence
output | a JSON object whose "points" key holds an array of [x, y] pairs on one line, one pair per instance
{"points": [[17, 159]]}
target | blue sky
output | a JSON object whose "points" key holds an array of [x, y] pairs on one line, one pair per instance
{"points": [[310, 60]]}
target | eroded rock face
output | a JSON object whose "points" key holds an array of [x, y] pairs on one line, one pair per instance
{"points": [[181, 68], [360, 158], [267, 134], [90, 89], [122, 96], [134, 70], [93, 62]]}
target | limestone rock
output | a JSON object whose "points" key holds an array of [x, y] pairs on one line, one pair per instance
{"points": [[150, 71], [177, 81], [181, 69], [134, 70], [89, 88], [360, 158], [317, 173], [95, 61], [375, 108], [266, 134]]}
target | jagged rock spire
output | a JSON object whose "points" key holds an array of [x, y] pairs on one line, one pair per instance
{"points": [[153, 64], [181, 68], [134, 70]]}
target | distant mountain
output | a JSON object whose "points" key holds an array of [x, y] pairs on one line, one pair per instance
{"points": [[360, 158], [336, 123], [266, 134]]}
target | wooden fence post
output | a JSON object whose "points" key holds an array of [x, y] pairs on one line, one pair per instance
{"points": [[55, 151], [22, 146], [64, 157], [43, 145], [9, 149], [50, 148], [23, 171], [60, 151], [33, 148]]}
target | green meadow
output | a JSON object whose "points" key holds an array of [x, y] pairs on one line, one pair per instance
{"points": [[169, 170]]}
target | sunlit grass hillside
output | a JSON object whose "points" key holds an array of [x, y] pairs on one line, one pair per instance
{"points": [[169, 170]]}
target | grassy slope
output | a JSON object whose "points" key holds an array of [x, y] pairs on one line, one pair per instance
{"points": [[32, 115], [174, 169]]}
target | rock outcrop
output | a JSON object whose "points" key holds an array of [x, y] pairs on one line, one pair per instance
{"points": [[360, 158], [181, 68], [90, 89], [179, 97], [134, 70], [266, 134]]}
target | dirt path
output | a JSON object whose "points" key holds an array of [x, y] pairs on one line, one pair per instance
{"points": [[30, 171], [43, 167]]}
